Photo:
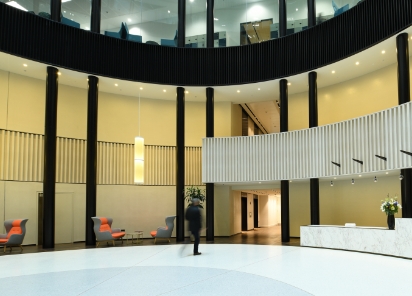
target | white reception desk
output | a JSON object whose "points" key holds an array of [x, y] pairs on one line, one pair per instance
{"points": [[377, 240]]}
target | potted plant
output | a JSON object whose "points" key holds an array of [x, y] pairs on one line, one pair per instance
{"points": [[194, 192], [390, 206]]}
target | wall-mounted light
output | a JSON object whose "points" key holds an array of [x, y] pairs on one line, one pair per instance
{"points": [[331, 183], [375, 179], [353, 181], [401, 177]]}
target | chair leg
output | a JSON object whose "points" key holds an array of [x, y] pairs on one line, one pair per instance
{"points": [[4, 251], [113, 242], [155, 241], [11, 249], [21, 248], [97, 244]]}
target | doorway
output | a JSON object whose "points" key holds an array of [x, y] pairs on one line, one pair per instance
{"points": [[255, 211], [244, 213]]}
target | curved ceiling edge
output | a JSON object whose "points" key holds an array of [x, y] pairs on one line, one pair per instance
{"points": [[35, 38], [357, 146]]}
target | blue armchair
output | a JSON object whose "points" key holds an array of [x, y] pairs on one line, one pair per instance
{"points": [[124, 34], [338, 10], [170, 43]]}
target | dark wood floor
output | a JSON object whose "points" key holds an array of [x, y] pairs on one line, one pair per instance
{"points": [[258, 236]]}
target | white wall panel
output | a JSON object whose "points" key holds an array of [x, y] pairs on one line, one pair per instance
{"points": [[309, 153]]}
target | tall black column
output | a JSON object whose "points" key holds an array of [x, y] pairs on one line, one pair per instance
{"points": [[49, 174], [284, 184], [313, 122], [180, 163], [311, 13], [95, 16], [404, 97], [284, 210], [55, 10], [282, 18], [210, 188], [181, 23], [210, 23], [91, 160]]}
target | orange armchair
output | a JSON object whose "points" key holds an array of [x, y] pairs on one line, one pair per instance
{"points": [[16, 230], [104, 231], [164, 232]]}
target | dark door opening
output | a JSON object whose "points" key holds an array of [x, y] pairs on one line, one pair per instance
{"points": [[244, 213], [255, 213]]}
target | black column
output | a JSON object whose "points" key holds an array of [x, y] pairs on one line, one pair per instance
{"points": [[210, 188], [55, 10], [311, 13], [95, 16], [181, 23], [282, 18], [91, 160], [180, 163], [313, 122], [284, 210], [404, 97], [284, 184], [210, 25], [49, 175]]}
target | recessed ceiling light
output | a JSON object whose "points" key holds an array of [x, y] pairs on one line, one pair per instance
{"points": [[289, 83], [186, 92], [360, 175], [357, 63], [290, 181], [192, 0], [141, 88], [129, 20], [168, 11], [258, 88], [387, 173], [164, 90], [116, 84], [333, 72], [223, 25], [334, 178], [297, 9], [383, 52], [216, 19], [238, 91], [58, 73], [24, 65]]}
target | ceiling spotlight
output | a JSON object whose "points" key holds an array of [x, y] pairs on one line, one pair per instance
{"points": [[238, 91], [58, 73], [186, 91], [216, 19], [360, 175], [192, 0], [164, 90], [331, 183], [357, 63], [353, 181], [297, 9], [141, 88], [333, 72], [401, 177], [24, 65], [375, 180], [334, 178], [129, 20], [383, 52], [289, 83], [258, 88], [168, 11], [116, 84]]}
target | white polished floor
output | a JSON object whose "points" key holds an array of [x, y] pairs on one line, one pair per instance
{"points": [[220, 270]]}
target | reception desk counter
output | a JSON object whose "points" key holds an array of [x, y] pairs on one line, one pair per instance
{"points": [[377, 240]]}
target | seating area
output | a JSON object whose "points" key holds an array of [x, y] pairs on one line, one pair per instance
{"points": [[104, 231], [16, 230], [164, 232], [124, 34]]}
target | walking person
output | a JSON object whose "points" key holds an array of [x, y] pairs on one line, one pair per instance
{"points": [[194, 217]]}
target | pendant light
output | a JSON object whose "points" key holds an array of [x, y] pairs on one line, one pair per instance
{"points": [[139, 156]]}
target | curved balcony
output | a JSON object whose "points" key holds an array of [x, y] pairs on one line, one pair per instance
{"points": [[29, 36]]}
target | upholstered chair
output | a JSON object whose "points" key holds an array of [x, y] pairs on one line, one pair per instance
{"points": [[104, 231], [164, 232], [16, 230]]}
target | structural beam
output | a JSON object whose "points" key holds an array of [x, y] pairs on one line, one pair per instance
{"points": [[55, 10], [49, 174], [311, 13], [181, 23], [210, 23], [91, 160], [180, 163], [282, 18], [284, 204], [404, 96], [95, 16], [210, 188]]}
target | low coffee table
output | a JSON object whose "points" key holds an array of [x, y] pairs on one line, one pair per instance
{"points": [[138, 235]]}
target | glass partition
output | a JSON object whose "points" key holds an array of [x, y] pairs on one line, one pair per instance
{"points": [[76, 13], [32, 6], [195, 23], [242, 22], [327, 9], [297, 16], [147, 21]]}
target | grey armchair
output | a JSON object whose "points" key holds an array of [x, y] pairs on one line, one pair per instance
{"points": [[104, 231], [164, 232], [16, 230]]}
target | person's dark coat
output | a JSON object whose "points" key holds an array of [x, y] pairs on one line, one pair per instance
{"points": [[195, 218]]}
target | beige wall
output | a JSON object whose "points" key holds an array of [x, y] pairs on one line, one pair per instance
{"points": [[263, 204], [223, 213], [4, 93], [236, 120], [237, 214], [343, 202], [350, 99]]}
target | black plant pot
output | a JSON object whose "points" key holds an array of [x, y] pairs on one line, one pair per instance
{"points": [[391, 222]]}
